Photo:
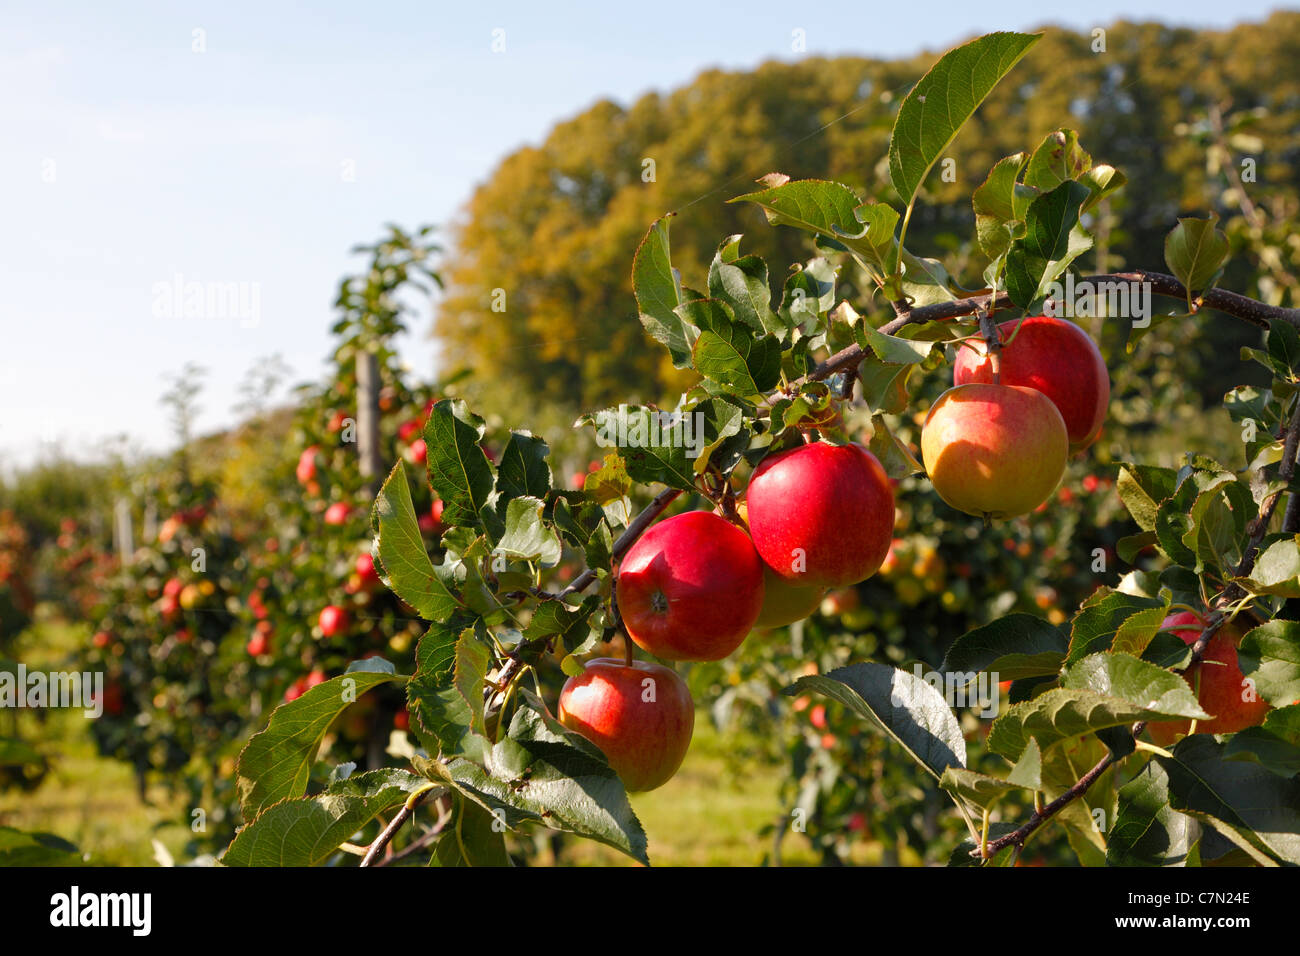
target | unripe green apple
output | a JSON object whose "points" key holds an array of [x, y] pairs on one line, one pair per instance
{"points": [[995, 451], [640, 715], [1224, 692], [785, 603]]}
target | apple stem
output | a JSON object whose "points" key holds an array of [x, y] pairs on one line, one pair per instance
{"points": [[993, 344]]}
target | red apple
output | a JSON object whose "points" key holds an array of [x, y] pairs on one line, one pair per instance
{"points": [[821, 515], [102, 639], [1222, 684], [337, 513], [995, 451], [691, 588], [407, 430], [258, 644], [402, 720], [418, 452], [431, 523], [1055, 357], [307, 464], [641, 717], [366, 568], [332, 620]]}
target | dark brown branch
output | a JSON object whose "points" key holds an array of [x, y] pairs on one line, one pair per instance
{"points": [[395, 824], [1230, 303]]}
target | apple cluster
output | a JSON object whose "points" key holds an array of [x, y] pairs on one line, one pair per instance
{"points": [[995, 445], [696, 584]]}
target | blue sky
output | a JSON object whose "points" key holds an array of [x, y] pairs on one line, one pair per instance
{"points": [[130, 159]]}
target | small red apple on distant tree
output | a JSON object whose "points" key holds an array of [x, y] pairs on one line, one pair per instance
{"points": [[640, 715], [1057, 358], [258, 644], [337, 513], [332, 620], [821, 515], [365, 567], [691, 588], [307, 464], [1224, 691], [102, 639], [994, 451], [431, 523], [417, 452]]}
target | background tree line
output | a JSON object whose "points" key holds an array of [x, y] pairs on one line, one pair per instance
{"points": [[555, 225]]}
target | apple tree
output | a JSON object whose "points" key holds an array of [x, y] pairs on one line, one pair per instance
{"points": [[1155, 723]]}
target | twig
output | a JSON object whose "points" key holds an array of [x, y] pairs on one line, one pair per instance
{"points": [[404, 814], [1217, 618], [1229, 303]]}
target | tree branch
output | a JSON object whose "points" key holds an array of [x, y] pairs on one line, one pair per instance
{"points": [[404, 814], [1221, 300]]}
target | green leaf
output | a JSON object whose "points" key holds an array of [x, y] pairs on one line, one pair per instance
{"points": [[997, 202], [308, 831], [19, 848], [543, 773], [1053, 239], [1005, 857], [1147, 831], [808, 295], [1059, 158], [1135, 681], [474, 837], [443, 714], [1062, 713], [742, 282], [892, 453], [945, 98], [832, 210], [1015, 646], [926, 281], [895, 351], [527, 537], [400, 547], [276, 763], [983, 790], [651, 442], [1242, 799], [1195, 251], [1100, 617], [610, 482], [1276, 571], [1283, 349], [729, 353], [1028, 771], [1136, 633], [1142, 488], [905, 707], [459, 471], [1275, 744], [1101, 181], [524, 471], [658, 294], [884, 387], [1269, 655]]}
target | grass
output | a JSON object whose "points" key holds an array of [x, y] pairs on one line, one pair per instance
{"points": [[89, 800], [710, 814]]}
